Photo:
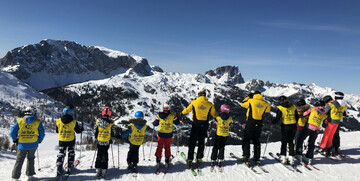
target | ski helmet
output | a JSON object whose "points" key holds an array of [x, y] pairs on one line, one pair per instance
{"points": [[106, 111], [225, 108], [30, 111], [139, 114], [319, 103], [339, 95], [282, 99], [68, 110], [301, 102], [202, 93], [166, 107], [327, 98]]}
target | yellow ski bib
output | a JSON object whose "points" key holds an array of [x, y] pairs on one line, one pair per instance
{"points": [[337, 113], [28, 133], [66, 131], [223, 126], [288, 114], [137, 135], [166, 125], [104, 134]]}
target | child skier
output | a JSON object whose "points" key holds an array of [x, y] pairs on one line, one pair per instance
{"points": [[66, 127], [26, 133], [301, 107], [104, 131], [222, 132], [288, 115], [311, 129], [136, 130], [165, 120]]}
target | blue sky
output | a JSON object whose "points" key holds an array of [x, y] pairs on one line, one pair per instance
{"points": [[281, 41]]}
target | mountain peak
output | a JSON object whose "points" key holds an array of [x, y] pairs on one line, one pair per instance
{"points": [[53, 63], [229, 74]]}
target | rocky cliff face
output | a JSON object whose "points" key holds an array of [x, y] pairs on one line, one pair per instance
{"points": [[229, 74], [53, 63]]}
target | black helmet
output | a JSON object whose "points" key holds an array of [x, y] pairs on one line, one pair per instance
{"points": [[282, 99], [319, 103], [301, 102], [327, 99]]}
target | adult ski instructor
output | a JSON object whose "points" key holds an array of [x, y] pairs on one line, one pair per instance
{"points": [[256, 109], [201, 110]]}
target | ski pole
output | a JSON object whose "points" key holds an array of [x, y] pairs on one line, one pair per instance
{"points": [[177, 141], [37, 151], [112, 153], [92, 163], [267, 140], [143, 151], [152, 137], [207, 158], [118, 155]]}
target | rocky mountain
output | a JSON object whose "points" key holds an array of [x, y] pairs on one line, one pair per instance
{"points": [[127, 83], [54, 63]]}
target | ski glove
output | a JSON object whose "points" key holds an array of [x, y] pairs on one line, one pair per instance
{"points": [[16, 141]]}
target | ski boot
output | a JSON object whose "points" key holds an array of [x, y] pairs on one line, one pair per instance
{"points": [[299, 157], [198, 162], [257, 162], [189, 163], [291, 160], [167, 162], [103, 173], [283, 159], [98, 173]]}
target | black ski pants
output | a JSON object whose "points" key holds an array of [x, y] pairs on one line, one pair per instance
{"points": [[336, 138], [133, 154], [287, 138], [198, 134], [102, 157], [219, 147], [61, 157], [252, 132], [311, 142]]}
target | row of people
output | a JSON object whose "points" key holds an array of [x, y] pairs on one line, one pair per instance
{"points": [[300, 121]]}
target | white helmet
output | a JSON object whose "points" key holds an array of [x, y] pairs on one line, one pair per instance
{"points": [[166, 107], [30, 111]]}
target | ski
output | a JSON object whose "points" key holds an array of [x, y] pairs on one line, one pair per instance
{"points": [[321, 153], [262, 168], [277, 159], [168, 165], [303, 163], [198, 165], [292, 166], [182, 154], [244, 163]]}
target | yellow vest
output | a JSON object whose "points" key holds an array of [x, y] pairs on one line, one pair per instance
{"points": [[337, 113], [223, 126], [288, 114], [166, 125], [315, 118], [104, 134], [28, 133], [302, 121], [66, 131], [137, 135]]}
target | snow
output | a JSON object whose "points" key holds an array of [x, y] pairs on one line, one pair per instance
{"points": [[115, 54], [346, 169], [111, 53]]}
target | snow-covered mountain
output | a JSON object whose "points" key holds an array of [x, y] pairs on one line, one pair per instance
{"points": [[128, 83], [16, 95], [53, 63]]}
